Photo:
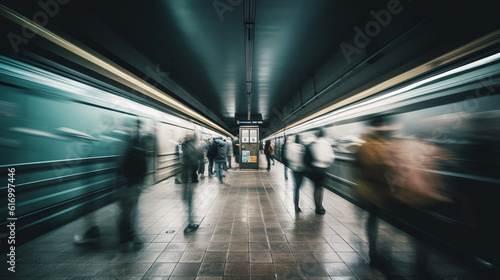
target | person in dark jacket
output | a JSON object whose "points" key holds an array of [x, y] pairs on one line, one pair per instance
{"points": [[133, 171], [202, 151], [283, 158], [220, 158], [189, 176], [211, 155], [236, 149]]}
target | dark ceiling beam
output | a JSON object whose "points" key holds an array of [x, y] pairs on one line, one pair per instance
{"points": [[249, 43]]}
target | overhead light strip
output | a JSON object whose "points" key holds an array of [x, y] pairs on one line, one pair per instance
{"points": [[106, 64]]}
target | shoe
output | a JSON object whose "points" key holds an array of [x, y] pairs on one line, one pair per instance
{"points": [[177, 181], [196, 181], [223, 175], [202, 176], [191, 228], [297, 209], [320, 211], [92, 235]]}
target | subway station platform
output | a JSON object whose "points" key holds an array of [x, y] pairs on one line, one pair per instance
{"points": [[248, 230]]}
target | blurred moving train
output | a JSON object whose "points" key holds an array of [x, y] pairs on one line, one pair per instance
{"points": [[65, 137], [456, 108]]}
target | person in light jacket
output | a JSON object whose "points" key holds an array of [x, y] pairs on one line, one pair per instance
{"points": [[321, 157], [294, 155]]}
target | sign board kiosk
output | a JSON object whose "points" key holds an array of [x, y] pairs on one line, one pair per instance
{"points": [[249, 147]]}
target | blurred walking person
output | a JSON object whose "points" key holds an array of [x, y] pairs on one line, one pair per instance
{"points": [[189, 177], [228, 154], [211, 152], [283, 158], [202, 151], [294, 154], [319, 156], [133, 173], [178, 152], [393, 178], [220, 158], [236, 149], [269, 152]]}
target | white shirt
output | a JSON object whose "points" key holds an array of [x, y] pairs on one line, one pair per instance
{"points": [[294, 153]]}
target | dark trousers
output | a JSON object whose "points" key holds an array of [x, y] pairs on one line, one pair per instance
{"points": [[318, 178], [372, 227], [189, 172], [298, 177], [210, 166], [268, 158], [129, 196]]}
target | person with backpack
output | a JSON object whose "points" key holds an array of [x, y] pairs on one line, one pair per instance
{"points": [[269, 152], [294, 154], [189, 176], [319, 157], [219, 158]]}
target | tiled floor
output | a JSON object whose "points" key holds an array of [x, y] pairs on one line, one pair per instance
{"points": [[248, 230]]}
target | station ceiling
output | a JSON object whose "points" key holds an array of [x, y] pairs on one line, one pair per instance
{"points": [[301, 48]]}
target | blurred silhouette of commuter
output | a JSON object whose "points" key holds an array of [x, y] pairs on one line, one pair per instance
{"points": [[178, 152], [211, 152], [228, 155], [219, 147], [133, 172], [283, 158], [393, 177], [294, 154], [319, 156], [202, 151], [269, 152], [189, 176], [236, 149]]}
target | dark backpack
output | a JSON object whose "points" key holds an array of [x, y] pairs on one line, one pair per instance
{"points": [[212, 150]]}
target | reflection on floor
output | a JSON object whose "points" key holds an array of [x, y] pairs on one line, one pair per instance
{"points": [[248, 229]]}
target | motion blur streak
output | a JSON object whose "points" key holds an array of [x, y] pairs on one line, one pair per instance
{"points": [[468, 49], [123, 76]]}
